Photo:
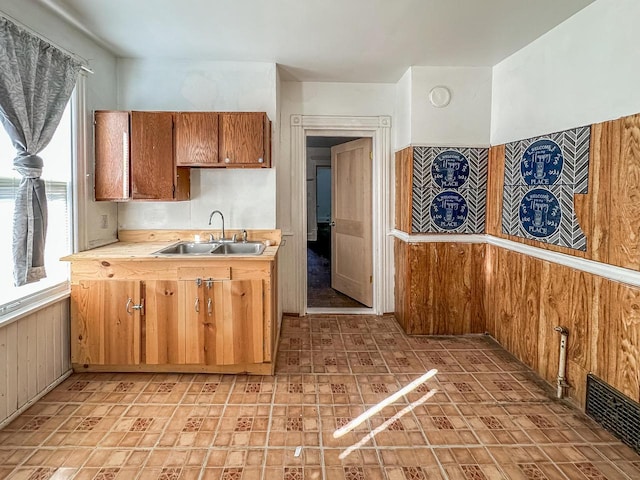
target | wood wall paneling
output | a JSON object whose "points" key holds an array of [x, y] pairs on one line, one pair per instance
{"points": [[495, 185], [477, 284], [420, 306], [404, 182], [440, 288], [4, 366], [620, 337], [624, 248], [605, 151], [33, 355], [401, 275]]}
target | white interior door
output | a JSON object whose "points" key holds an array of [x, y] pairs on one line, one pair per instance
{"points": [[351, 230]]}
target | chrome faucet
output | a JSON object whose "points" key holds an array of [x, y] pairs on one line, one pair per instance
{"points": [[222, 217]]}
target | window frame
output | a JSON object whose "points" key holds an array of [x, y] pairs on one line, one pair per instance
{"points": [[28, 304]]}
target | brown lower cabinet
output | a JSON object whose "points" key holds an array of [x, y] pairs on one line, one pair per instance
{"points": [[223, 321], [103, 331], [197, 318]]}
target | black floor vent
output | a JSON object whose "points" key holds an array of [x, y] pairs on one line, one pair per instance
{"points": [[614, 411]]}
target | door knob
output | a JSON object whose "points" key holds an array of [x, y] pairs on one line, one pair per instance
{"points": [[333, 224]]}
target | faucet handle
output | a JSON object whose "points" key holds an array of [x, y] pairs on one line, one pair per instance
{"points": [[244, 236], [234, 238], [211, 238]]}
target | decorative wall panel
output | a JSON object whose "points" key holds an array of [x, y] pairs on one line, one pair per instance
{"points": [[34, 354], [541, 176], [449, 193]]}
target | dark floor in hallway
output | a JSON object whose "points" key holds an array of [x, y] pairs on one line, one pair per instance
{"points": [[319, 291], [489, 417]]}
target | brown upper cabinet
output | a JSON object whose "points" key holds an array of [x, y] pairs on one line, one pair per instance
{"points": [[196, 136], [134, 157], [245, 139], [227, 139]]}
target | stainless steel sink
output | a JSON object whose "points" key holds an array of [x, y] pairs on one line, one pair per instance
{"points": [[188, 248], [193, 248], [247, 248]]}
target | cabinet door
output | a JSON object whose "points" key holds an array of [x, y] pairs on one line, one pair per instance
{"points": [[163, 327], [111, 155], [152, 167], [196, 136], [201, 336], [242, 321], [104, 331], [244, 139]]}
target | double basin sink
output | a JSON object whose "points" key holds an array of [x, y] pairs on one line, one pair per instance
{"points": [[225, 248]]}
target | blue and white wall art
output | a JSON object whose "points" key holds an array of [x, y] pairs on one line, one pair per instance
{"points": [[449, 190], [541, 176]]}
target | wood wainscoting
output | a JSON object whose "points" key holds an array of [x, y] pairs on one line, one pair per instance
{"points": [[440, 287], [34, 355], [524, 298], [528, 297]]}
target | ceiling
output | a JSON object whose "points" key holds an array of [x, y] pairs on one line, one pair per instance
{"points": [[321, 40]]}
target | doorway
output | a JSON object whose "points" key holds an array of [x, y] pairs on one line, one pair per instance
{"points": [[339, 222], [378, 130]]}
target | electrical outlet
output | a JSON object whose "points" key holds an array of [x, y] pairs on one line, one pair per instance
{"points": [[104, 221]]}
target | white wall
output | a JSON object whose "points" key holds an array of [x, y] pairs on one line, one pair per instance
{"points": [[247, 197], [586, 70], [466, 121], [313, 98], [100, 94], [402, 118]]}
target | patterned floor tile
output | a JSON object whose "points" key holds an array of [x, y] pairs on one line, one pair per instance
{"points": [[483, 416]]}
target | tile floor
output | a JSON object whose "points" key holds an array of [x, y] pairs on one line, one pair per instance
{"points": [[484, 416]]}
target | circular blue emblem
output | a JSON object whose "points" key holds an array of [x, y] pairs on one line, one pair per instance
{"points": [[540, 213], [542, 163], [450, 169], [449, 210]]}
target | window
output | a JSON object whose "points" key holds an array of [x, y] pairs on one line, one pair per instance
{"points": [[57, 175]]}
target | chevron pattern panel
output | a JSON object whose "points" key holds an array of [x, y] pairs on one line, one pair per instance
{"points": [[541, 176], [449, 189]]}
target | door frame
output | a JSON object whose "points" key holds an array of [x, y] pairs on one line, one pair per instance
{"points": [[378, 129]]}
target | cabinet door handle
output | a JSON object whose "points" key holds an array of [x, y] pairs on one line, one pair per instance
{"points": [[130, 306], [227, 160], [261, 160], [210, 307], [197, 305]]}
